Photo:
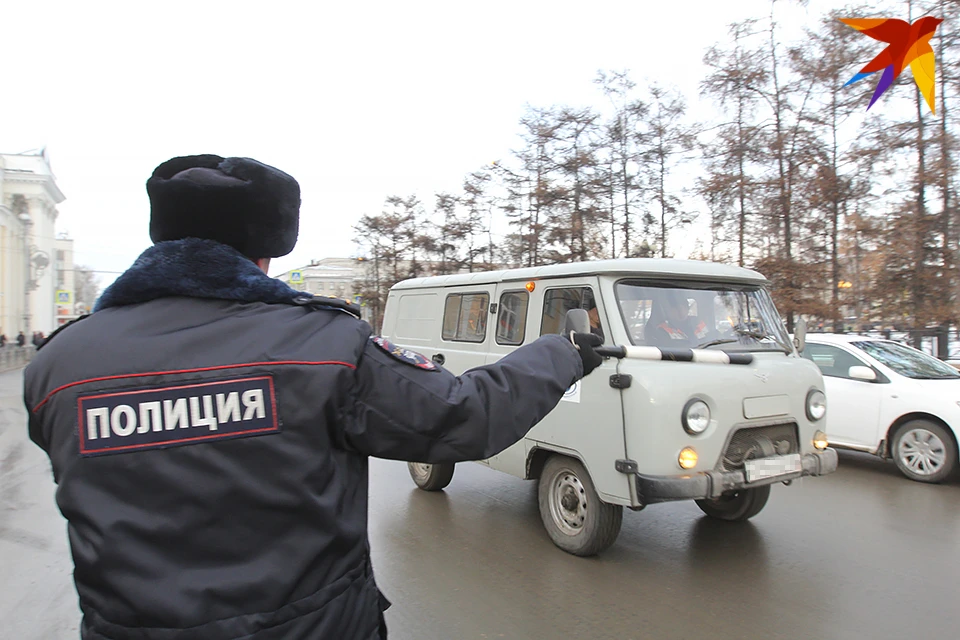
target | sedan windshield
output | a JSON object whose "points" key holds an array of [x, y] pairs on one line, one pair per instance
{"points": [[738, 317], [908, 362]]}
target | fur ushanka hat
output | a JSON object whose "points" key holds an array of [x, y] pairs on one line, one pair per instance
{"points": [[240, 202]]}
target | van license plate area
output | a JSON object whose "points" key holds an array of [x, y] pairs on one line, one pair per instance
{"points": [[763, 468]]}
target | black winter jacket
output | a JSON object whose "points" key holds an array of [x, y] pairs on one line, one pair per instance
{"points": [[209, 429]]}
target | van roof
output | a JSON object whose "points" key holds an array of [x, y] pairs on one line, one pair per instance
{"points": [[642, 267]]}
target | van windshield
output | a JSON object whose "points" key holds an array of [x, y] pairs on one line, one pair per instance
{"points": [[738, 317]]}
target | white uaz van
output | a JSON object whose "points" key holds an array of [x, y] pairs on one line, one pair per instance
{"points": [[708, 399]]}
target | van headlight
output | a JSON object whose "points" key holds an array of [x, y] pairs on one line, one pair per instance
{"points": [[696, 417], [816, 405]]}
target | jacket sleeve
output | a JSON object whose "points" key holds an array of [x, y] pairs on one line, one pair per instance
{"points": [[403, 412]]}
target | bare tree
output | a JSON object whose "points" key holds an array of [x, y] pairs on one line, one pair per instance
{"points": [[621, 138], [532, 192], [86, 286], [668, 143], [476, 221], [823, 64], [732, 75], [571, 225]]}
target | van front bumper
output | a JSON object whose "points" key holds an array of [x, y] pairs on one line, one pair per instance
{"points": [[711, 484]]}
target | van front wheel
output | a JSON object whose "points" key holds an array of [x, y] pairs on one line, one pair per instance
{"points": [[431, 477], [574, 516], [736, 506]]}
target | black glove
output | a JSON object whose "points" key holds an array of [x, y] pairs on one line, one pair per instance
{"points": [[585, 343]]}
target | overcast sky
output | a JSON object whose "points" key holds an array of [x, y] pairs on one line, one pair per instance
{"points": [[357, 101]]}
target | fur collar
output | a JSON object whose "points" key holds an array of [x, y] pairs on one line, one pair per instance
{"points": [[198, 269]]}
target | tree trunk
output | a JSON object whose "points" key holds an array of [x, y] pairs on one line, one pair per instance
{"points": [[741, 187], [835, 265], [946, 174], [835, 215], [661, 192], [918, 297], [613, 214]]}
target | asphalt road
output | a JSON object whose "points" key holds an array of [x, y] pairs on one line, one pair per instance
{"points": [[864, 553]]}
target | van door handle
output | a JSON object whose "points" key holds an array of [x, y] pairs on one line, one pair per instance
{"points": [[438, 358]]}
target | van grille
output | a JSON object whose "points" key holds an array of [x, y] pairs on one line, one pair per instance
{"points": [[759, 442]]}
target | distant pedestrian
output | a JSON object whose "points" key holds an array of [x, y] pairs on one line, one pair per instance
{"points": [[3, 340], [21, 339]]}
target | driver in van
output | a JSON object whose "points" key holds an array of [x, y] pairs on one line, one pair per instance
{"points": [[590, 304], [678, 328], [594, 314]]}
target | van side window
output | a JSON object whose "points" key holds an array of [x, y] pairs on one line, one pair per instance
{"points": [[556, 303], [512, 321], [465, 317]]}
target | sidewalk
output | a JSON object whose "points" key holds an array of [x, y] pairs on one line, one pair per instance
{"points": [[14, 357], [37, 597]]}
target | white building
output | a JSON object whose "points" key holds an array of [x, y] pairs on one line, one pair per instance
{"points": [[336, 277], [28, 212], [65, 305]]}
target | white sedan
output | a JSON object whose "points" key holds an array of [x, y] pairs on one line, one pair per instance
{"points": [[890, 400]]}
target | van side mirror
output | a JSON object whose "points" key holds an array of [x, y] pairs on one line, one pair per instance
{"points": [[862, 373], [800, 335], [577, 320]]}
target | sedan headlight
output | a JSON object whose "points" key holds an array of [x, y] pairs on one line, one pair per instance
{"points": [[696, 417], [816, 405]]}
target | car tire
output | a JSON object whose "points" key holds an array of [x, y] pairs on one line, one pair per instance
{"points": [[575, 517], [736, 506], [924, 451], [431, 477]]}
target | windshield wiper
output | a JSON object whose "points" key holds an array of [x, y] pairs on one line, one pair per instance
{"points": [[714, 343], [756, 335]]}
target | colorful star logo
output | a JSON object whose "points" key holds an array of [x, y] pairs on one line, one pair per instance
{"points": [[907, 44]]}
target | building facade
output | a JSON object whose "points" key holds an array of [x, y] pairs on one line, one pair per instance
{"points": [[335, 277], [347, 278], [65, 304], [28, 275]]}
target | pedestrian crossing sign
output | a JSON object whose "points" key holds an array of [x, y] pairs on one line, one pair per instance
{"points": [[296, 277], [63, 297]]}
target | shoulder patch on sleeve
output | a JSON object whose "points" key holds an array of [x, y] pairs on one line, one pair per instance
{"points": [[406, 356]]}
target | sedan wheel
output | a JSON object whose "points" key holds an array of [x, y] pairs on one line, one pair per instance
{"points": [[431, 477], [924, 451]]}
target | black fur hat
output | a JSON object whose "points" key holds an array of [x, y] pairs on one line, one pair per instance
{"points": [[240, 202]]}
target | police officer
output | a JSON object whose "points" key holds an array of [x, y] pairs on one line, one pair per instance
{"points": [[209, 427]]}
